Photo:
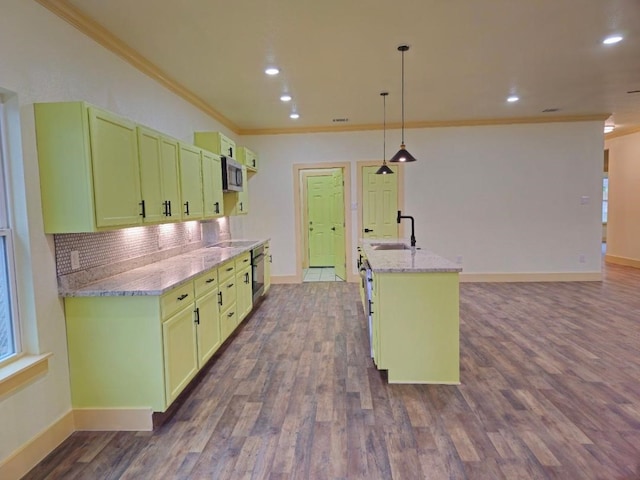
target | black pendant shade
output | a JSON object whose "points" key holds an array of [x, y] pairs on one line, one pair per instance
{"points": [[403, 155], [384, 170]]}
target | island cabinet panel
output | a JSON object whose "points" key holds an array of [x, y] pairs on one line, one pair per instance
{"points": [[88, 161], [416, 327]]}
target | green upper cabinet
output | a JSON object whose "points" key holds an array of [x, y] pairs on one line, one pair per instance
{"points": [[248, 158], [88, 161], [158, 157], [212, 185], [237, 203], [191, 182], [215, 142]]}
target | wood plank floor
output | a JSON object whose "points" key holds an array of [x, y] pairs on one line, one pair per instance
{"points": [[550, 389]]}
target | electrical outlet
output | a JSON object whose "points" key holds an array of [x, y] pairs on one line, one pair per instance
{"points": [[75, 260], [582, 258], [459, 259]]}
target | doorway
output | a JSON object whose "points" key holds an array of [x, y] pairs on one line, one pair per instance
{"points": [[321, 205]]}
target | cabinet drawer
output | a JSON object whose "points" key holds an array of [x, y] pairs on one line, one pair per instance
{"points": [[243, 261], [226, 270], [206, 282], [176, 299], [227, 293]]}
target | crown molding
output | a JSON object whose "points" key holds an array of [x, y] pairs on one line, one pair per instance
{"points": [[105, 38], [599, 117], [621, 132]]}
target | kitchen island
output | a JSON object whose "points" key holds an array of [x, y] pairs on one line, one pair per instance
{"points": [[411, 301]]}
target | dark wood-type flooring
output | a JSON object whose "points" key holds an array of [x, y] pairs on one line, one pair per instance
{"points": [[550, 389]]}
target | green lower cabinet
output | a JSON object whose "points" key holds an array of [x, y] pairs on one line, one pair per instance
{"points": [[244, 300], [416, 327], [209, 336], [228, 321], [180, 343]]}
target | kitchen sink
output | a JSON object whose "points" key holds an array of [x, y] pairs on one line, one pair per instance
{"points": [[390, 246]]}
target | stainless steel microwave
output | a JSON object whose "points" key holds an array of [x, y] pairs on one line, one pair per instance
{"points": [[231, 175]]}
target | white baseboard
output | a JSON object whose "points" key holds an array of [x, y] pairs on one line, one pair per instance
{"points": [[532, 277], [113, 419], [281, 279], [31, 453], [629, 262]]}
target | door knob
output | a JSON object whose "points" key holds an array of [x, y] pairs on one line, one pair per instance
{"points": [[333, 228]]}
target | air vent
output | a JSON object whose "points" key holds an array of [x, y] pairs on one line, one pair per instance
{"points": [[550, 110], [340, 120]]}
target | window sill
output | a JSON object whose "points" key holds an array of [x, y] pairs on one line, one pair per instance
{"points": [[22, 371]]}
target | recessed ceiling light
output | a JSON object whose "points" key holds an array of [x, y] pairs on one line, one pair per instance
{"points": [[285, 98], [512, 98], [294, 116], [612, 39], [272, 71], [609, 128]]}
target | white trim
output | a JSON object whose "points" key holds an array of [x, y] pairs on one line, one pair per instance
{"points": [[113, 419]]}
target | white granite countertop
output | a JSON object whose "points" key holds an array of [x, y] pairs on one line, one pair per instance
{"points": [[405, 261], [159, 277]]}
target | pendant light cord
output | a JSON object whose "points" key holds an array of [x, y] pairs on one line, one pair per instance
{"points": [[403, 97]]}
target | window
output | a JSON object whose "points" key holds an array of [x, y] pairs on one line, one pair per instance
{"points": [[605, 198], [9, 331]]}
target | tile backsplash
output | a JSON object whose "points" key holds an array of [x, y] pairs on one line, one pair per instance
{"points": [[106, 248]]}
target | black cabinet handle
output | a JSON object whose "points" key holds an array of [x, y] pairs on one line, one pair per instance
{"points": [[165, 204], [333, 228], [231, 152], [143, 214], [183, 296], [220, 298], [186, 205], [231, 314], [254, 163], [230, 285], [229, 269], [370, 303], [209, 280], [197, 320], [246, 277], [241, 207], [217, 207], [367, 230], [245, 260], [270, 258], [170, 214]]}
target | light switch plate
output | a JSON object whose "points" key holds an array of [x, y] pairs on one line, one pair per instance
{"points": [[75, 260]]}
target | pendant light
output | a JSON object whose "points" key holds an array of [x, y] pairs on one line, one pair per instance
{"points": [[402, 155], [384, 169]]}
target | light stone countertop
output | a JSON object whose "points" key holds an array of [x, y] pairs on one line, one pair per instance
{"points": [[405, 261], [159, 277]]}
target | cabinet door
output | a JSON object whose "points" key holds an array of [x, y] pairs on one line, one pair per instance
{"points": [[228, 322], [116, 181], [244, 300], [191, 182], [180, 351], [169, 168], [212, 185], [243, 196], [209, 339], [149, 155], [267, 267]]}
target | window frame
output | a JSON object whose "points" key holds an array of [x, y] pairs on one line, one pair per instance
{"points": [[7, 232]]}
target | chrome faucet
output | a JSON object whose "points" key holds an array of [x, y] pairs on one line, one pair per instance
{"points": [[413, 232]]}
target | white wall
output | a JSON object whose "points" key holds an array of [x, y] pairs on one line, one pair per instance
{"points": [[42, 58], [506, 198], [623, 223]]}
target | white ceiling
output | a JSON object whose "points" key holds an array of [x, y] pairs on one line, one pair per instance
{"points": [[336, 56]]}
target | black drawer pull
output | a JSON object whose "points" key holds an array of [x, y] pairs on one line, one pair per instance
{"points": [[143, 214], [197, 319], [230, 285], [186, 206], [220, 298], [183, 296], [217, 205], [209, 280], [231, 314], [229, 269]]}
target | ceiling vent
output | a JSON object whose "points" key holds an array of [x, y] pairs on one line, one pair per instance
{"points": [[340, 120], [550, 110]]}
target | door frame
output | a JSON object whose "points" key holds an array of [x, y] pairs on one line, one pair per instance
{"points": [[360, 176], [298, 168]]}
